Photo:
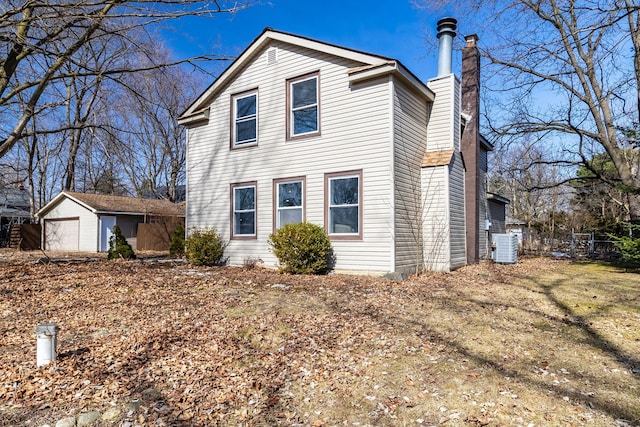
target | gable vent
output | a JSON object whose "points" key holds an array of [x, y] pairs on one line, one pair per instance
{"points": [[272, 55]]}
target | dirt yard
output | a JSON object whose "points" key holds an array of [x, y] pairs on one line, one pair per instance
{"points": [[539, 343]]}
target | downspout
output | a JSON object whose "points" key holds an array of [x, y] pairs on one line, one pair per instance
{"points": [[392, 260]]}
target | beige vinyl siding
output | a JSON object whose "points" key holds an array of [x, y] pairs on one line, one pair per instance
{"points": [[457, 236], [446, 110], [88, 223], [435, 226], [443, 186], [349, 140], [410, 137], [457, 212]]}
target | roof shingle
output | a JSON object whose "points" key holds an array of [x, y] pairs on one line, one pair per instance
{"points": [[120, 204]]}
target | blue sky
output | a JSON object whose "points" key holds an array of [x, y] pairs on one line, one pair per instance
{"points": [[394, 29]]}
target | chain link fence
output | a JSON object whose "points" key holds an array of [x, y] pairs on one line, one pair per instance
{"points": [[569, 245]]}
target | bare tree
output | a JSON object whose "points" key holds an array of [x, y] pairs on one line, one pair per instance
{"points": [[526, 175], [567, 72], [152, 151], [48, 36]]}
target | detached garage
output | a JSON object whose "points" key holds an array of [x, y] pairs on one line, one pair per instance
{"points": [[83, 222]]}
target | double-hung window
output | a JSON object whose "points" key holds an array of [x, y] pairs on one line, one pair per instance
{"points": [[303, 116], [343, 214], [245, 119], [243, 212], [289, 206]]}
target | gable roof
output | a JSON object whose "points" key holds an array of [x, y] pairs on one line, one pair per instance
{"points": [[372, 66], [107, 204]]}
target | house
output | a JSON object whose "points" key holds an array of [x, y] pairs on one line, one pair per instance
{"points": [[300, 130], [83, 222], [15, 209]]}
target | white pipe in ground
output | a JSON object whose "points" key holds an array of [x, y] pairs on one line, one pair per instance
{"points": [[46, 341]]}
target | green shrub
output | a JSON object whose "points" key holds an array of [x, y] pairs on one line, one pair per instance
{"points": [[629, 247], [302, 248], [176, 247], [204, 247], [118, 246]]}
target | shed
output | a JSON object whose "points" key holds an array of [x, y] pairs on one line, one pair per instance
{"points": [[83, 222]]}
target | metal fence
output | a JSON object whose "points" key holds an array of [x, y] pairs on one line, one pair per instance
{"points": [[569, 245]]}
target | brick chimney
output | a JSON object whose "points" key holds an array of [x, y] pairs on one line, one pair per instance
{"points": [[470, 144]]}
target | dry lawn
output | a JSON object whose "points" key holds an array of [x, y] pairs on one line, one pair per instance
{"points": [[539, 343]]}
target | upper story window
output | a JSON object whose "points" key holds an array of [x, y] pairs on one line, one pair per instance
{"points": [[303, 102], [343, 212], [243, 212], [289, 206], [245, 119]]}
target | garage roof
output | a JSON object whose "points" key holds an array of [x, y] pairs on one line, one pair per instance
{"points": [[113, 205]]}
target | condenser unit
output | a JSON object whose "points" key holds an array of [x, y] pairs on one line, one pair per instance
{"points": [[505, 248]]}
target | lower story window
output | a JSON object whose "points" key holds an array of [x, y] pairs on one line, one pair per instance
{"points": [[289, 201], [344, 204], [244, 210]]}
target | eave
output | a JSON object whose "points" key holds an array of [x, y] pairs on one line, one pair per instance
{"points": [[394, 68], [498, 198], [486, 144], [194, 118]]}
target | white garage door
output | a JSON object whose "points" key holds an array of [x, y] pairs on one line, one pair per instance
{"points": [[62, 234]]}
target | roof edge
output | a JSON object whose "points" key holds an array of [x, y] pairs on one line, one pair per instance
{"points": [[64, 193], [498, 198], [269, 34], [196, 117]]}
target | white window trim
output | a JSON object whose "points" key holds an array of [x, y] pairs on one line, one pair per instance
{"points": [[254, 210], [335, 176], [277, 204], [235, 120], [292, 82]]}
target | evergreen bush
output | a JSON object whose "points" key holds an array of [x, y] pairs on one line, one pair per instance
{"points": [[118, 245], [302, 248], [204, 247], [628, 246], [176, 247]]}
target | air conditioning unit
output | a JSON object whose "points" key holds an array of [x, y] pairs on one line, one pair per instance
{"points": [[505, 248]]}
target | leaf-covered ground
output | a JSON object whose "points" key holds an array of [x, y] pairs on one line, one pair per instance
{"points": [[539, 343]]}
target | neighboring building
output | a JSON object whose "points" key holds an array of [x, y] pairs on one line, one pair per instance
{"points": [[15, 209], [517, 227], [84, 222], [496, 216], [300, 130]]}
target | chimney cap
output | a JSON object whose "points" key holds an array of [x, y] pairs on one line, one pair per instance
{"points": [[471, 39], [447, 25]]}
